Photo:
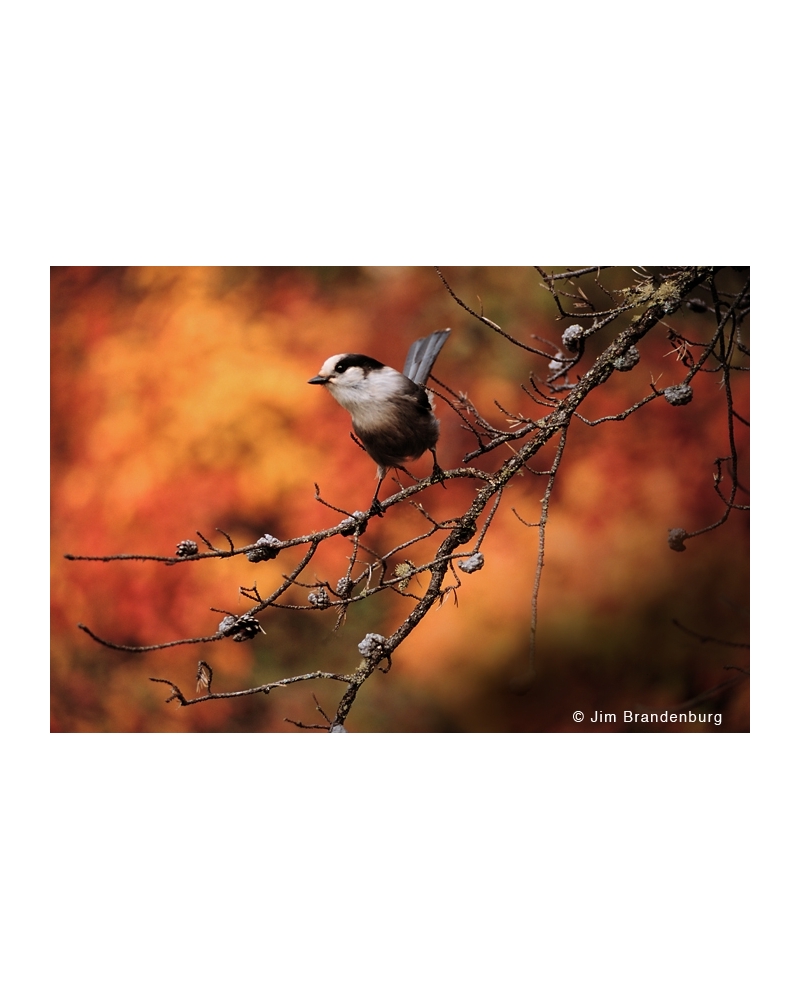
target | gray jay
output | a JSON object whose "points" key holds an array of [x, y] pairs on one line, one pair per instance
{"points": [[392, 413]]}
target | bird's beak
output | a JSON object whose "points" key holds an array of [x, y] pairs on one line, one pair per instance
{"points": [[317, 380]]}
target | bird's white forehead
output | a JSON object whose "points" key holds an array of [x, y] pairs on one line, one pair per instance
{"points": [[328, 366]]}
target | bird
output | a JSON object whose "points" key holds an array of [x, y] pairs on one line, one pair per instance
{"points": [[392, 413]]}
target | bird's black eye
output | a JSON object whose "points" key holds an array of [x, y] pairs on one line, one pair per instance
{"points": [[341, 367]]}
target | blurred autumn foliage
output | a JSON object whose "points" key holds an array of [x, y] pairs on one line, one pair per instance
{"points": [[180, 404]]}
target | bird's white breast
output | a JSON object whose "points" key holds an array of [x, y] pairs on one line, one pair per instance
{"points": [[368, 396]]}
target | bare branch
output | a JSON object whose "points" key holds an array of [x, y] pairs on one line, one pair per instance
{"points": [[148, 649]]}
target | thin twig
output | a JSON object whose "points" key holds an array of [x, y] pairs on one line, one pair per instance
{"points": [[709, 638], [260, 689]]}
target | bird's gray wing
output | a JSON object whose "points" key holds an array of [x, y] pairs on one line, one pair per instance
{"points": [[422, 354]]}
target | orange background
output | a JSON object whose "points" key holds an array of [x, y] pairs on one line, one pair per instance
{"points": [[180, 403]]}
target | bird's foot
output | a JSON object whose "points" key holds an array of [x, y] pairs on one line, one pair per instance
{"points": [[437, 476]]}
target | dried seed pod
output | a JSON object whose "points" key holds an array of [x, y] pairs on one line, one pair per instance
{"points": [[371, 644], [675, 539], [344, 587], [571, 338], [678, 395], [267, 549], [242, 628], [320, 598], [248, 627], [627, 361], [228, 625], [186, 548], [472, 564]]}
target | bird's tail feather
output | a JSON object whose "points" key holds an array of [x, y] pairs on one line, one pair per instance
{"points": [[422, 354]]}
